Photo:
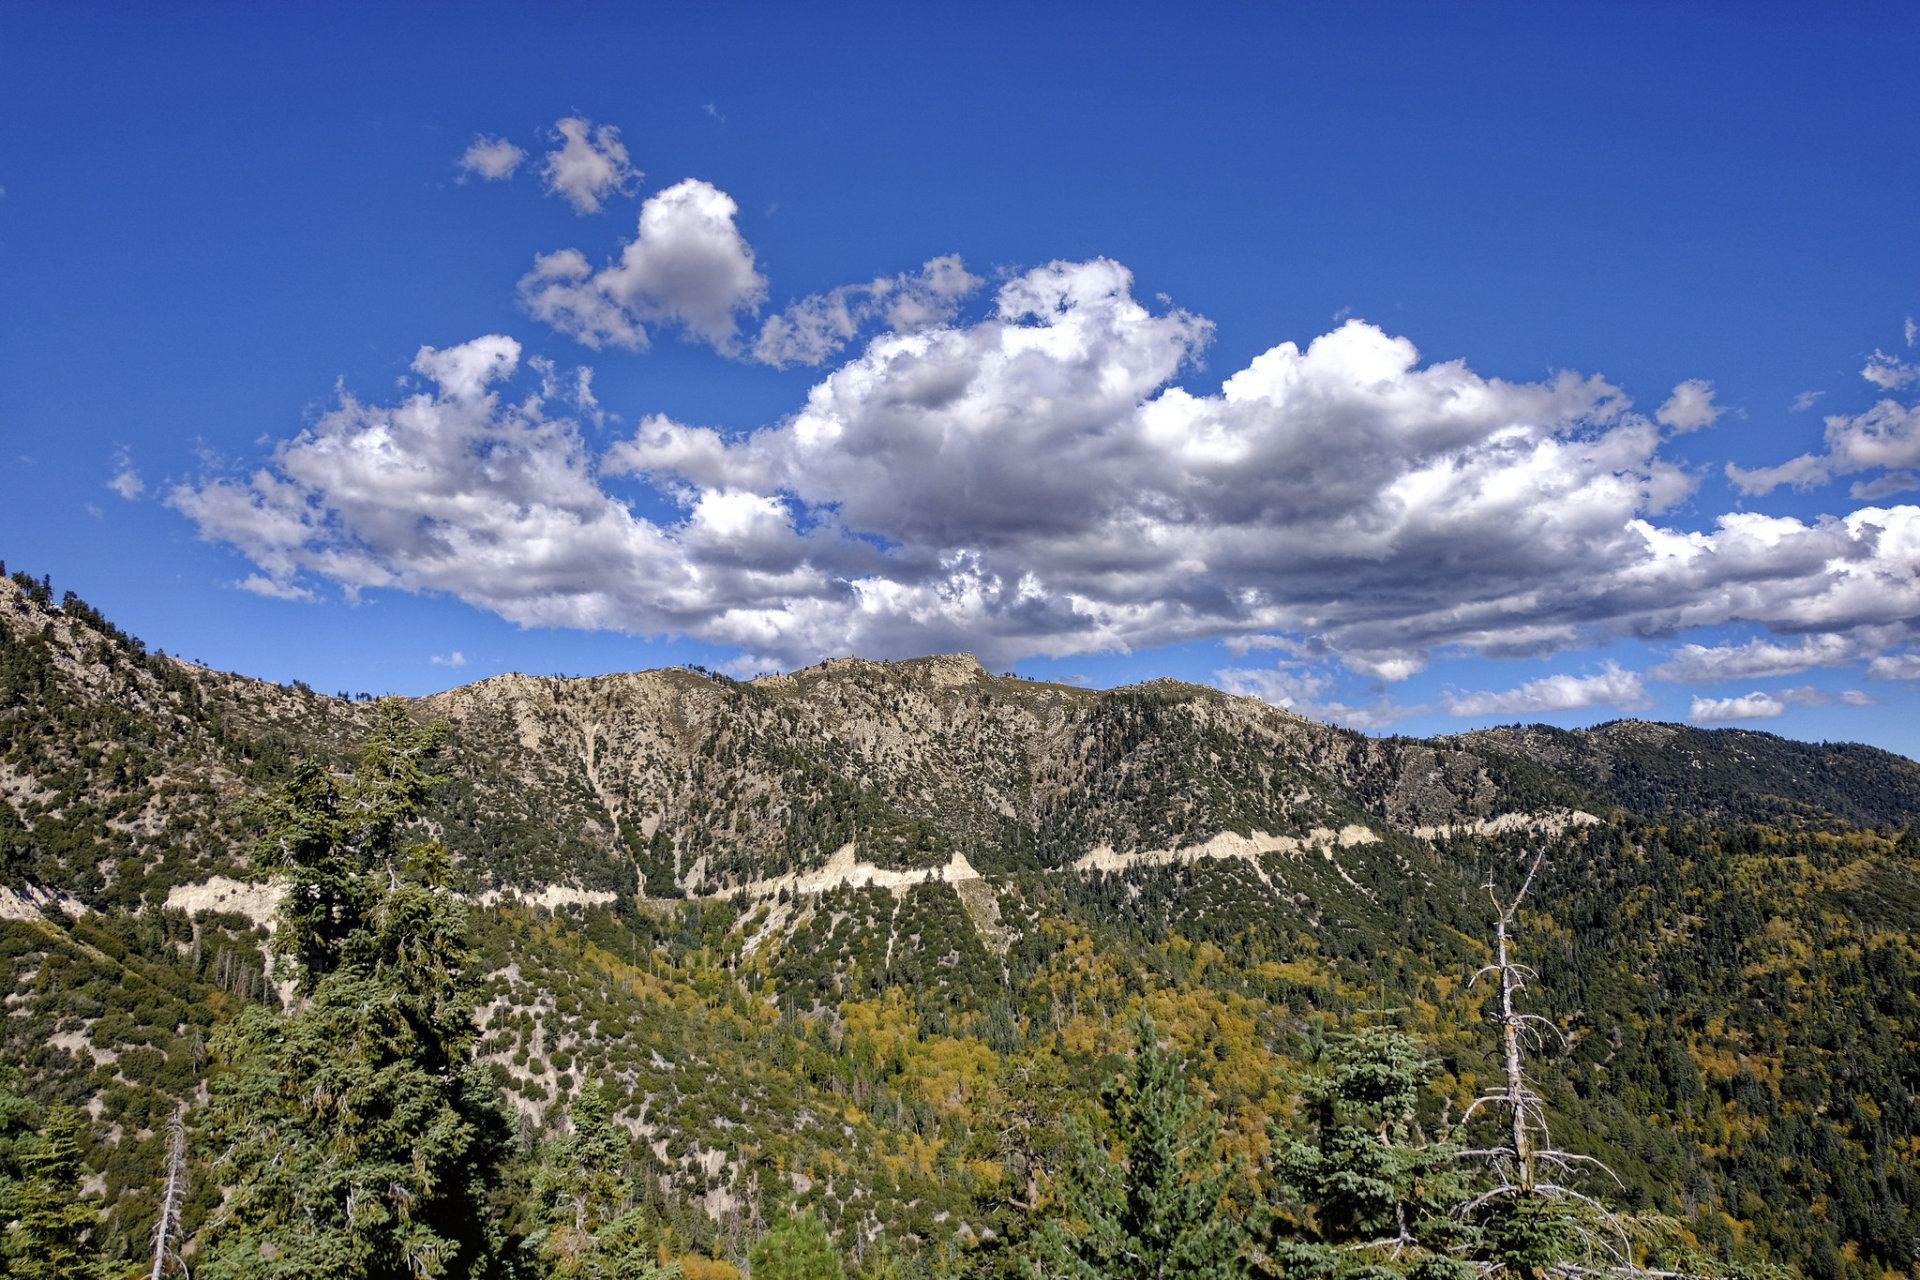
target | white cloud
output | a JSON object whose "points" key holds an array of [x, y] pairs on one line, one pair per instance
{"points": [[1752, 706], [1304, 694], [1032, 484], [1805, 400], [1887, 435], [493, 159], [461, 491], [1241, 646], [1884, 486], [1804, 472], [688, 265], [1689, 408], [574, 387], [1756, 659], [589, 166], [126, 481], [819, 325], [1760, 705], [1614, 687], [454, 659], [1391, 667], [1890, 373], [1895, 666], [272, 589], [1913, 332]]}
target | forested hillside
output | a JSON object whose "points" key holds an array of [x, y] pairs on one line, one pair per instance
{"points": [[881, 966]]}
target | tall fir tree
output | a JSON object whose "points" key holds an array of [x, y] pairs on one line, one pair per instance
{"points": [[1149, 1204], [797, 1248], [1368, 1196], [51, 1235], [356, 1133], [583, 1197]]}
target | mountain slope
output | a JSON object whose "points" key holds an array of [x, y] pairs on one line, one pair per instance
{"points": [[809, 930]]}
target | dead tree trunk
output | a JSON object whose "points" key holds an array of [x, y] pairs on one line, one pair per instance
{"points": [[1526, 1165], [166, 1232]]}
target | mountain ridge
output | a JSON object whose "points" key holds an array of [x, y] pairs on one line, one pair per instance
{"points": [[931, 753]]}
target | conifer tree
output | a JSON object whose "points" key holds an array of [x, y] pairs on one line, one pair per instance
{"points": [[1150, 1204], [50, 1237], [1379, 1189], [584, 1200], [798, 1248], [17, 1119], [355, 1133]]}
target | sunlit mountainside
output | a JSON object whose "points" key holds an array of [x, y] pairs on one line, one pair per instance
{"points": [[853, 939]]}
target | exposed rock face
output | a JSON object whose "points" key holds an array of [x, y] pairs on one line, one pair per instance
{"points": [[716, 786]]}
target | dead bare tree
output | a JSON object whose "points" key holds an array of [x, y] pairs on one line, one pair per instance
{"points": [[1529, 1173], [166, 1231]]}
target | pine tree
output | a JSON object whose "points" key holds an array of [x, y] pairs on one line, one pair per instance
{"points": [[1380, 1190], [50, 1237], [18, 1118], [584, 1200], [1149, 1205], [356, 1133], [797, 1248]]}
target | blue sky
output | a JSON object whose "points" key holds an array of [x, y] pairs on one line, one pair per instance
{"points": [[392, 351]]}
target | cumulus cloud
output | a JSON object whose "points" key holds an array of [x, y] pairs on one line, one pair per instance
{"points": [[493, 159], [1895, 666], [1890, 373], [1884, 486], [818, 326], [572, 387], [454, 659], [1760, 705], [1885, 436], [1034, 483], [688, 265], [273, 589], [1803, 472], [589, 165], [457, 489], [1389, 666], [1305, 694], [1613, 686], [1756, 659], [1689, 408], [1752, 706], [126, 481]]}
